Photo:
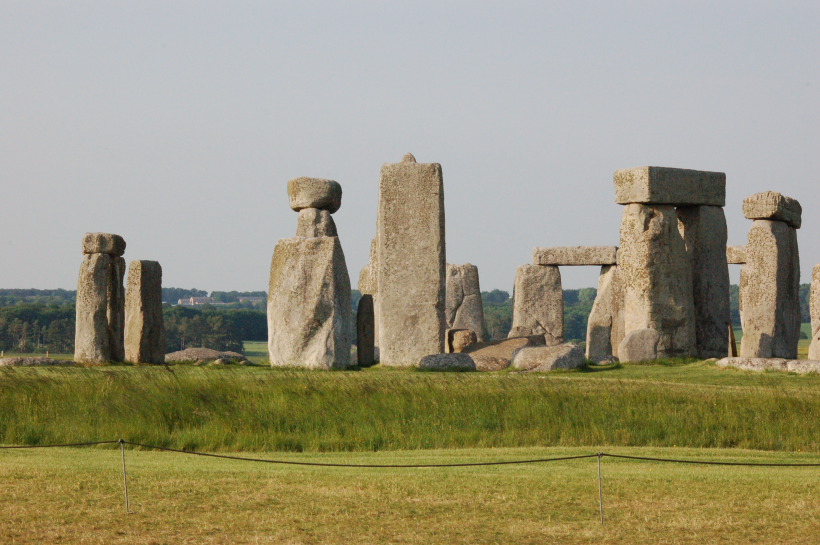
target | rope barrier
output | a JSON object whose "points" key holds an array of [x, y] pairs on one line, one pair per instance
{"points": [[706, 462], [62, 445]]}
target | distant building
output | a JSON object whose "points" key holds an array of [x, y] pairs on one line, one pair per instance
{"points": [[253, 299], [193, 301]]}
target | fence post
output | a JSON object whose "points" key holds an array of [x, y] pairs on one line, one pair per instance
{"points": [[124, 477], [600, 492]]}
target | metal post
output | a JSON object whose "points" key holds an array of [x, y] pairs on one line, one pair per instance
{"points": [[600, 493], [124, 477]]}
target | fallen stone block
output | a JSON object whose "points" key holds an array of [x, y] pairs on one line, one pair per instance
{"points": [[201, 355], [103, 243], [144, 326], [314, 193], [538, 303], [447, 362], [548, 358], [803, 367], [771, 205], [37, 361], [314, 222], [736, 255], [575, 255], [497, 355], [755, 364], [676, 186], [458, 340], [639, 345]]}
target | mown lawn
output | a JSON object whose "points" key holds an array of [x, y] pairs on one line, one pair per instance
{"points": [[76, 496]]}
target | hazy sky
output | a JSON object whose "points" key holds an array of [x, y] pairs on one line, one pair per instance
{"points": [[178, 124]]}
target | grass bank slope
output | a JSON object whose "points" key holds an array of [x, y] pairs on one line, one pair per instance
{"points": [[232, 408], [75, 495]]}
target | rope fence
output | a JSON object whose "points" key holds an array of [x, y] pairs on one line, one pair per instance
{"points": [[598, 455]]}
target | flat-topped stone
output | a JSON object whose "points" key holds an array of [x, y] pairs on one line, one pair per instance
{"points": [[661, 185], [314, 193], [575, 255], [736, 255], [447, 362], [103, 243], [801, 367], [771, 205], [497, 355]]}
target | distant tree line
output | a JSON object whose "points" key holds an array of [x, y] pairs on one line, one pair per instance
{"points": [[36, 327]]}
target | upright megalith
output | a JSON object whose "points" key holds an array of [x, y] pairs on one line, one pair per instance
{"points": [[814, 308], [411, 262], [464, 308], [705, 234], [656, 277], [369, 284], [769, 290], [538, 303], [605, 327], [144, 327], [313, 223], [309, 314], [365, 327], [100, 300]]}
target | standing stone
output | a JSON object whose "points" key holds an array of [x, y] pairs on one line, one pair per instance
{"points": [[605, 327], [91, 339], [656, 276], [369, 284], [769, 290], [144, 327], [314, 222], [309, 304], [464, 308], [538, 304], [704, 232], [732, 342], [639, 345], [814, 307], [115, 309], [411, 258], [365, 326]]}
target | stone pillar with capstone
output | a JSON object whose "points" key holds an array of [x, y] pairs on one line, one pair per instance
{"points": [[309, 313], [411, 262], [100, 307], [144, 326]]}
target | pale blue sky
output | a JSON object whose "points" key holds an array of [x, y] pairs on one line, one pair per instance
{"points": [[178, 124]]}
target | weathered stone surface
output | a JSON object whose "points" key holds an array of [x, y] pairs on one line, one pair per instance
{"points": [[100, 309], [678, 186], [203, 355], [704, 233], [606, 327], [814, 300], [755, 364], [771, 205], [576, 255], [144, 327], [538, 305], [37, 361], [365, 328], [769, 292], [411, 257], [497, 355], [103, 243], [639, 345], [464, 309], [548, 358], [803, 367], [369, 283], [314, 222], [656, 277], [314, 193], [309, 311], [458, 340], [732, 342], [447, 362], [736, 255]]}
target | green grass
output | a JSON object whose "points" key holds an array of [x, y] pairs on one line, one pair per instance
{"points": [[257, 352], [241, 408], [76, 495]]}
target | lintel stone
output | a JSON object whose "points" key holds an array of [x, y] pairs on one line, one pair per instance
{"points": [[661, 185], [771, 205], [575, 255]]}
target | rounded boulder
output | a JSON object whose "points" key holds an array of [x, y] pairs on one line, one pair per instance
{"points": [[314, 193]]}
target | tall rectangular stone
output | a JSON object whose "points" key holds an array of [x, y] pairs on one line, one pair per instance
{"points": [[656, 277], [814, 308], [115, 310], [538, 303], [769, 292], [605, 327], [411, 275], [144, 326], [369, 284], [705, 234], [661, 185], [309, 313], [91, 338]]}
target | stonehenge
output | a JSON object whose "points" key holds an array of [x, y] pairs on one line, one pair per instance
{"points": [[605, 326], [464, 308], [538, 303], [673, 186], [309, 312], [144, 327], [576, 255], [100, 306], [411, 262], [770, 278], [814, 308]]}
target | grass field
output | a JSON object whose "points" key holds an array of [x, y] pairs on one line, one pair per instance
{"points": [[76, 495]]}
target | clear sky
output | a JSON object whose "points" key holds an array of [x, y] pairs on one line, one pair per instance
{"points": [[178, 124]]}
